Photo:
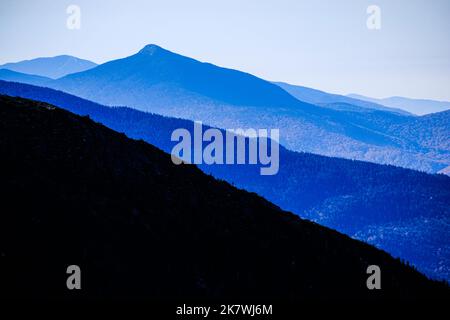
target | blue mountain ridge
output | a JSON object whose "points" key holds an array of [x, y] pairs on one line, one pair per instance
{"points": [[326, 99], [9, 75], [159, 81], [144, 229], [416, 106]]}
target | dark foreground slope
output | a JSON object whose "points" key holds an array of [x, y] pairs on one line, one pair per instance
{"points": [[404, 212], [75, 192]]}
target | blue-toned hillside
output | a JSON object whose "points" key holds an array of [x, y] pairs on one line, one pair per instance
{"points": [[163, 82], [168, 75]]}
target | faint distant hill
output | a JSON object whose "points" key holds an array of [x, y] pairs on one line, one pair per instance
{"points": [[76, 192], [326, 99], [168, 77], [404, 212], [416, 106], [50, 67]]}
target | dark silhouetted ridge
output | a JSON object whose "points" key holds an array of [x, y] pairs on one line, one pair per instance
{"points": [[76, 192], [403, 212]]}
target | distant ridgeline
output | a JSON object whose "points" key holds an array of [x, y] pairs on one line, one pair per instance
{"points": [[404, 212]]}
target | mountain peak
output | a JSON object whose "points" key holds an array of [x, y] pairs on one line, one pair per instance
{"points": [[150, 49]]}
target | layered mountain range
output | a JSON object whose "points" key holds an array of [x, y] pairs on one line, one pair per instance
{"points": [[163, 82]]}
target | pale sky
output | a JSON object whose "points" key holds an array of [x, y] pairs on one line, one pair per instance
{"points": [[321, 44]]}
